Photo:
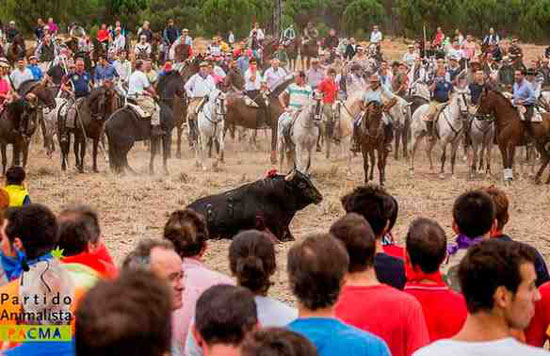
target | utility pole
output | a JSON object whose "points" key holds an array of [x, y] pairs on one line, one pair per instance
{"points": [[277, 18]]}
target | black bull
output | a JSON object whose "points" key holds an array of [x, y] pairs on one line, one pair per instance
{"points": [[270, 204]]}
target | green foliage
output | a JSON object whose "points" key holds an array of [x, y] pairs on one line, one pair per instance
{"points": [[362, 13]]}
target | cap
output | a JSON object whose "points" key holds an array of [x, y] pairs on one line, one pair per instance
{"points": [[203, 64], [32, 57], [4, 63], [314, 60]]}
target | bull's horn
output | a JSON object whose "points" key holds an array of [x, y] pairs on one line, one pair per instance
{"points": [[291, 175]]}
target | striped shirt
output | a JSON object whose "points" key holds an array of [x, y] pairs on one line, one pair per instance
{"points": [[298, 95]]}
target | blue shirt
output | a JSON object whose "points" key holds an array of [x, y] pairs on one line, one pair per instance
{"points": [[81, 83], [46, 348], [332, 337], [524, 91], [36, 72], [442, 89], [104, 72]]}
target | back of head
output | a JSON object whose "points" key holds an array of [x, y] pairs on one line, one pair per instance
{"points": [[501, 205], [35, 225], [129, 316], [373, 203], [426, 245], [316, 268], [358, 238], [489, 265], [225, 314], [277, 342], [15, 175], [78, 227], [188, 231], [474, 213], [252, 260]]}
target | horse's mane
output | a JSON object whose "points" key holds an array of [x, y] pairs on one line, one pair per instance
{"points": [[498, 93], [281, 87], [26, 86]]}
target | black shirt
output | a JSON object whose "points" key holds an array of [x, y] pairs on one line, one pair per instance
{"points": [[390, 270]]}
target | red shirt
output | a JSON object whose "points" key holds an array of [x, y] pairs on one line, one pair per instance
{"points": [[389, 313], [102, 35], [99, 260], [537, 332], [444, 309], [329, 88], [394, 250]]}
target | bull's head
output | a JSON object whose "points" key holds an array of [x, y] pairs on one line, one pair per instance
{"points": [[304, 185]]}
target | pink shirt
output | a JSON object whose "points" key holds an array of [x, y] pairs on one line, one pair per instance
{"points": [[198, 278], [4, 89], [469, 49], [388, 313]]}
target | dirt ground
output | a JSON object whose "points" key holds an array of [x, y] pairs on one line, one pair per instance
{"points": [[135, 207]]}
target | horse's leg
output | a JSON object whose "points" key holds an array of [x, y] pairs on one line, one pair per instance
{"points": [[372, 163], [179, 131], [166, 143], [397, 135], [405, 138], [83, 145], [95, 144], [153, 147], [274, 143], [544, 164], [365, 163], [204, 144], [381, 164], [25, 152], [415, 141], [4, 158], [511, 156], [16, 158], [488, 152], [454, 149], [429, 149], [298, 156], [221, 145]]}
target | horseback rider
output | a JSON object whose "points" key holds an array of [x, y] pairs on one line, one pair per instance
{"points": [[104, 71], [476, 87], [281, 55], [375, 35], [20, 74], [516, 54], [289, 35], [46, 51], [142, 50], [198, 87], [331, 43], [170, 33], [80, 82], [11, 32], [440, 88], [297, 95], [400, 82], [310, 33], [234, 80], [253, 86], [524, 95], [274, 74], [5, 87], [142, 93], [329, 88], [383, 97]]}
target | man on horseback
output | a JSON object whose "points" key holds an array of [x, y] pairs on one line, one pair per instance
{"points": [[35, 69], [20, 74], [198, 87], [11, 32], [80, 82], [382, 97], [289, 35], [143, 94], [524, 95], [310, 33], [274, 74], [104, 71], [440, 88], [329, 88], [253, 87], [46, 52]]}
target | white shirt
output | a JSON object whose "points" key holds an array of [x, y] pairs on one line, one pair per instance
{"points": [[409, 58], [198, 87], [252, 85], [124, 69], [231, 38], [274, 76], [138, 83], [259, 34], [502, 347], [18, 77], [375, 36], [142, 48], [119, 43]]}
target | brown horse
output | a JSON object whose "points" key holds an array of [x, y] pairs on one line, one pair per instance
{"points": [[239, 114], [309, 50], [16, 50], [292, 50], [511, 132], [371, 133]]}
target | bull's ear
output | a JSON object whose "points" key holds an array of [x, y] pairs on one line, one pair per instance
{"points": [[291, 175]]}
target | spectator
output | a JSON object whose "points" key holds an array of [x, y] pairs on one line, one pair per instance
{"points": [[5, 86], [315, 74], [473, 219], [20, 74], [502, 216], [281, 55], [35, 69], [119, 42], [498, 282], [104, 71], [277, 342], [405, 331], [316, 267], [129, 316], [103, 35], [231, 38], [188, 232], [81, 242], [145, 30], [39, 30], [351, 50], [492, 38], [444, 309], [15, 187], [170, 33], [377, 207], [438, 38], [410, 56], [52, 27], [159, 257], [225, 315], [469, 48], [375, 35], [123, 67]]}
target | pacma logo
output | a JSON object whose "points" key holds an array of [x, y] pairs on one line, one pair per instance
{"points": [[35, 333]]}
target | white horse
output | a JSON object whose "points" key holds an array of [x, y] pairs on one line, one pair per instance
{"points": [[50, 121], [482, 134], [211, 125], [304, 131], [449, 127]]}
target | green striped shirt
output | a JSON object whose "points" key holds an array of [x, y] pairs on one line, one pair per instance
{"points": [[299, 96]]}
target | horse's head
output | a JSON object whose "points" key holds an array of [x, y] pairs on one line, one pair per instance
{"points": [[106, 102], [217, 98], [486, 102], [317, 106], [44, 95], [461, 98]]}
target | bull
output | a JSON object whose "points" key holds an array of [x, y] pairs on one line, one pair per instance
{"points": [[267, 204]]}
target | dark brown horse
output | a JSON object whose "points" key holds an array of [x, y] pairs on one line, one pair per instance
{"points": [[16, 49], [371, 133], [239, 114], [92, 113], [309, 50], [512, 132], [292, 50]]}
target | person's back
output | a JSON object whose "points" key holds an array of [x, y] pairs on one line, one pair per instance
{"points": [[19, 196], [444, 309]]}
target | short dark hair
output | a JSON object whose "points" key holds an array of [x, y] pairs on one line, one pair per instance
{"points": [[36, 226], [316, 268], [302, 74], [501, 205], [188, 231], [277, 342], [426, 244], [78, 226], [373, 203], [140, 257], [489, 265], [252, 260], [225, 314], [15, 175], [474, 213], [128, 316], [358, 238]]}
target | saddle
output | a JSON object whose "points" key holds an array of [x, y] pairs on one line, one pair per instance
{"points": [[250, 103], [71, 111], [287, 122], [137, 110], [536, 117]]}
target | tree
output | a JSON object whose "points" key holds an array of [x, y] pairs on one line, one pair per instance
{"points": [[535, 20], [225, 15], [361, 13]]}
